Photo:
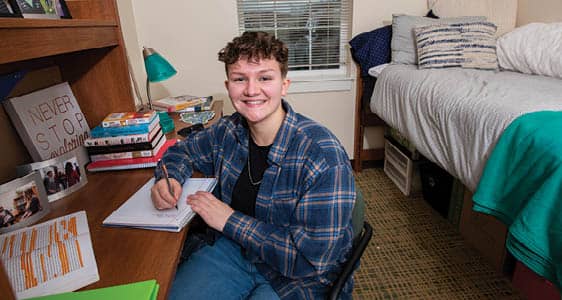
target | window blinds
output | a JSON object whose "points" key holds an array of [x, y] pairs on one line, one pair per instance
{"points": [[315, 31]]}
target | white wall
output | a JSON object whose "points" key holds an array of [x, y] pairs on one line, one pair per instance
{"points": [[190, 33], [368, 15], [127, 20], [539, 11]]}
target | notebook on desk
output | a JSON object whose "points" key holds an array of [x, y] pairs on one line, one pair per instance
{"points": [[144, 290], [138, 211]]}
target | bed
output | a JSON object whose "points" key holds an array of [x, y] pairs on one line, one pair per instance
{"points": [[459, 118], [497, 129], [454, 117]]}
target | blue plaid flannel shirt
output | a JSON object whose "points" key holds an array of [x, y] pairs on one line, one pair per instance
{"points": [[302, 231]]}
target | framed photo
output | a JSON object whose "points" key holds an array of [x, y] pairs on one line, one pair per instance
{"points": [[36, 9], [23, 201], [61, 175], [7, 10]]}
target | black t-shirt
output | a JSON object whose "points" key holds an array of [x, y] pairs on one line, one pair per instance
{"points": [[245, 193]]}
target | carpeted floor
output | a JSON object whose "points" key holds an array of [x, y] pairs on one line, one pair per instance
{"points": [[417, 254]]}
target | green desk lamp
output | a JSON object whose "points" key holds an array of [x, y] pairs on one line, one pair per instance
{"points": [[157, 69]]}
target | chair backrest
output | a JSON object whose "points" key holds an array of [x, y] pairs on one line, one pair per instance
{"points": [[362, 233], [358, 214]]}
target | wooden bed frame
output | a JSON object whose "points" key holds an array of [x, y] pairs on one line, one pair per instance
{"points": [[364, 118]]}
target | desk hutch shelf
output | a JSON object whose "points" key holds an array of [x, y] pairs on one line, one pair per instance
{"points": [[87, 51]]}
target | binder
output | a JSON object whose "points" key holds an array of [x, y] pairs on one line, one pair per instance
{"points": [[143, 290]]}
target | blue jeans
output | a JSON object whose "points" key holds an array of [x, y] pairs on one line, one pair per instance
{"points": [[221, 272]]}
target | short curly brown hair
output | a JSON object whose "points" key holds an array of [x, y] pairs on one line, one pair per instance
{"points": [[254, 46]]}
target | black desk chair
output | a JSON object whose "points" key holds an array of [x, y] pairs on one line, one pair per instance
{"points": [[362, 233]]}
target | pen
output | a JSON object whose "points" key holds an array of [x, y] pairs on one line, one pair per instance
{"points": [[168, 181]]}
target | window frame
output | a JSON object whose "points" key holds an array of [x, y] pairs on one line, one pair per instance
{"points": [[322, 80]]}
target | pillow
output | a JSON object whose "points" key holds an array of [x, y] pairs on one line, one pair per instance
{"points": [[403, 46], [534, 48], [371, 48], [503, 13], [465, 45]]}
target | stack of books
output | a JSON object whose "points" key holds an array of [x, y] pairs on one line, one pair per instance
{"points": [[126, 141], [184, 103]]}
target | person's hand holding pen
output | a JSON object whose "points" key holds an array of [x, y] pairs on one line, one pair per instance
{"points": [[166, 191], [167, 177]]}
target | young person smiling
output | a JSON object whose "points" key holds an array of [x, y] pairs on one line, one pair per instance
{"points": [[282, 209]]}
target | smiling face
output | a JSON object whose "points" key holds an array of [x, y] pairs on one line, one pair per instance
{"points": [[255, 88]]}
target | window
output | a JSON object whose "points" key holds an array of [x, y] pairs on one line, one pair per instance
{"points": [[315, 31]]}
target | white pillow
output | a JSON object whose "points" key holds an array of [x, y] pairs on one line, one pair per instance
{"points": [[403, 43], [534, 48], [503, 13]]}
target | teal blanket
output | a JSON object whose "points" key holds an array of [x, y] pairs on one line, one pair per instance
{"points": [[522, 186]]}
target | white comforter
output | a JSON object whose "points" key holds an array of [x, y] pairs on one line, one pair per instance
{"points": [[454, 117]]}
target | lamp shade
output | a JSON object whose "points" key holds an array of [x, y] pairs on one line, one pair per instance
{"points": [[157, 67]]}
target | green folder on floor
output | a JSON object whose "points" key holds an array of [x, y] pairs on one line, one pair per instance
{"points": [[143, 290]]}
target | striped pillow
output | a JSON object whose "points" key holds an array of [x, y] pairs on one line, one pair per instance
{"points": [[465, 45]]}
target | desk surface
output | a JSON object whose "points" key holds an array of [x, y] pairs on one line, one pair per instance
{"points": [[123, 255]]}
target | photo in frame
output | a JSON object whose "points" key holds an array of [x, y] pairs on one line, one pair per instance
{"points": [[36, 9], [23, 201], [7, 10], [61, 175]]}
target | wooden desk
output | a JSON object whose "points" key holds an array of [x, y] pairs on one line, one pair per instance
{"points": [[123, 255]]}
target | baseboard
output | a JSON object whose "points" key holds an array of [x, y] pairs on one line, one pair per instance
{"points": [[370, 158], [372, 154]]}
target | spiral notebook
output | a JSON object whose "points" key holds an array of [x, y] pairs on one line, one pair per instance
{"points": [[138, 211]]}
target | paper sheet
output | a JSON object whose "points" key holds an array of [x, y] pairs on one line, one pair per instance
{"points": [[52, 257], [138, 211]]}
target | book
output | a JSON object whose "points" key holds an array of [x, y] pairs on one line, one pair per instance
{"points": [[128, 118], [125, 147], [51, 257], [130, 154], [205, 106], [139, 212], [100, 131], [36, 9], [142, 290], [129, 163], [123, 139], [49, 121], [172, 104]]}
